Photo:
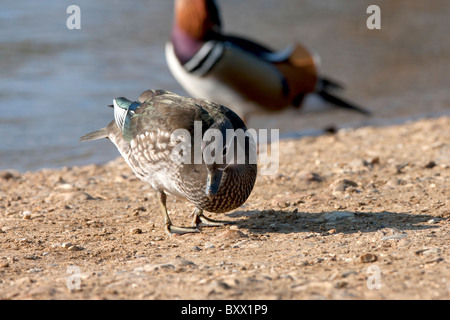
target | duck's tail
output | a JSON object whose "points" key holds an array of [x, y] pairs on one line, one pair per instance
{"points": [[338, 102], [324, 87], [96, 135]]}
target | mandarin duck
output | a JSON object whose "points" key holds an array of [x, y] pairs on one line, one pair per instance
{"points": [[148, 134], [240, 73]]}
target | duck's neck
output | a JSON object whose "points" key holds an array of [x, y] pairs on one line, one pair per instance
{"points": [[184, 45], [196, 21]]}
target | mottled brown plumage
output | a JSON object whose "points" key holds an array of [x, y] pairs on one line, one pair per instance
{"points": [[143, 132]]}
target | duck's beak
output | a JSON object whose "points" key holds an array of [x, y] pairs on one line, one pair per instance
{"points": [[213, 182]]}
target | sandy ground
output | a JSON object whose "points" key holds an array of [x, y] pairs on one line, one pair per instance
{"points": [[362, 214]]}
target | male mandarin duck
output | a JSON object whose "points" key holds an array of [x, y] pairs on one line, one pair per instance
{"points": [[147, 132], [246, 76]]}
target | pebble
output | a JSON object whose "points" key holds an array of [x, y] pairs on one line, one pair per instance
{"points": [[176, 263], [394, 182], [430, 165], [138, 209], [395, 237], [429, 251], [34, 270], [9, 174], [153, 267], [71, 247], [435, 260], [231, 235], [75, 248], [338, 215], [31, 257], [180, 262], [218, 285], [136, 231], [26, 215], [308, 176], [64, 187], [368, 257], [342, 185], [209, 245]]}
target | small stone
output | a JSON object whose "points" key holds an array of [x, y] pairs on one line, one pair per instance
{"points": [[340, 284], [429, 251], [394, 182], [338, 215], [9, 175], [182, 263], [435, 260], [399, 167], [75, 248], [342, 185], [308, 176], [219, 285], [137, 210], [375, 160], [209, 245], [34, 270], [368, 257], [154, 267], [430, 165], [31, 257], [64, 187], [231, 235], [4, 229], [66, 245], [26, 215], [136, 231], [395, 237]]}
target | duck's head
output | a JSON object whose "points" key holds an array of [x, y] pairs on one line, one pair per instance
{"points": [[197, 18], [226, 149]]}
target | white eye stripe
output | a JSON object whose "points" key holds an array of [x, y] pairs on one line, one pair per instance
{"points": [[119, 115]]}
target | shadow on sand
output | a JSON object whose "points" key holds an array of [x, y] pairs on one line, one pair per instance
{"points": [[342, 221]]}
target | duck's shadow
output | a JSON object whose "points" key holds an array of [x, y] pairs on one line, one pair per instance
{"points": [[271, 221]]}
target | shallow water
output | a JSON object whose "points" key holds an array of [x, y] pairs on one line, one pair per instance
{"points": [[55, 83]]}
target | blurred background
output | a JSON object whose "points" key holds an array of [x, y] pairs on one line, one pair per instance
{"points": [[55, 83]]}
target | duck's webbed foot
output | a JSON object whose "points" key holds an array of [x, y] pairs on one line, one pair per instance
{"points": [[200, 220], [169, 228]]}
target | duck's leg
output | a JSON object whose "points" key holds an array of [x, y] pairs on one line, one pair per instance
{"points": [[200, 220], [169, 228]]}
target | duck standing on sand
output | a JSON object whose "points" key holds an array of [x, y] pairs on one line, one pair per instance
{"points": [[144, 132], [240, 73]]}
